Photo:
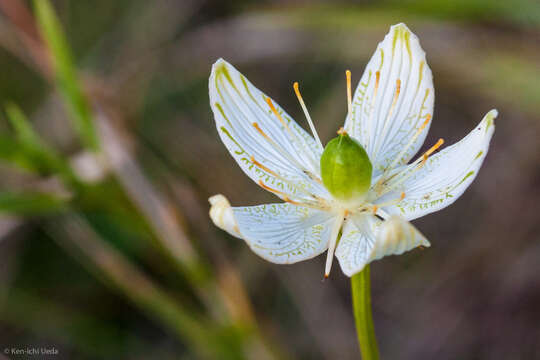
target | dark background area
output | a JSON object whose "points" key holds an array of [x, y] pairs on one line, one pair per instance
{"points": [[82, 275]]}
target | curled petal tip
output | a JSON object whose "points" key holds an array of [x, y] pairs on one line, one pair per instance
{"points": [[215, 199], [222, 214]]}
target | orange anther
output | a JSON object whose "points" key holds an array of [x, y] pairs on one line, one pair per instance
{"points": [[431, 150], [434, 147], [296, 90], [349, 90]]}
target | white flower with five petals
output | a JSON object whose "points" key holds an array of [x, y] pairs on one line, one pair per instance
{"points": [[389, 116]]}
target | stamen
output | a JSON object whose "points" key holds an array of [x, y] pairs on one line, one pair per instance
{"points": [[422, 158], [342, 131], [332, 244], [277, 147], [412, 168], [432, 150], [310, 122], [276, 175], [409, 144], [286, 197], [313, 177], [349, 92], [288, 129], [388, 203]]}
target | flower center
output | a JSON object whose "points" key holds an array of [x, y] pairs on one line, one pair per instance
{"points": [[346, 169]]}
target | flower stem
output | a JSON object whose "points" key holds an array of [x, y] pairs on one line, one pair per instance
{"points": [[361, 298]]}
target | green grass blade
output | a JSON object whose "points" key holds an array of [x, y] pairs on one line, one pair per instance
{"points": [[23, 129], [30, 203], [65, 73], [27, 150]]}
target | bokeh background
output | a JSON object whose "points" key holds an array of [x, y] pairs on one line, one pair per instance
{"points": [[108, 156]]}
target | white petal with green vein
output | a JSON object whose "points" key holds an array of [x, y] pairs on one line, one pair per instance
{"points": [[284, 233], [357, 242], [237, 105], [396, 235], [383, 120], [445, 176]]}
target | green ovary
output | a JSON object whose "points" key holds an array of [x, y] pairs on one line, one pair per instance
{"points": [[346, 169]]}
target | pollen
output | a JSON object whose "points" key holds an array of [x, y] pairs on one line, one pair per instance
{"points": [[342, 131]]}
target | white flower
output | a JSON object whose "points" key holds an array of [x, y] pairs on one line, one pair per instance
{"points": [[389, 116]]}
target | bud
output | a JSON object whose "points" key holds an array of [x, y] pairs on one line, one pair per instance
{"points": [[346, 169]]}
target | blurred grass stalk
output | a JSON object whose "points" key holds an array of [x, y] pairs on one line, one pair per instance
{"points": [[54, 61], [72, 233], [76, 236]]}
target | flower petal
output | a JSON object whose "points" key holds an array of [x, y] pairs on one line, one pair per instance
{"points": [[279, 233], [396, 236], [445, 176], [282, 157], [222, 215], [393, 99], [357, 243], [365, 238]]}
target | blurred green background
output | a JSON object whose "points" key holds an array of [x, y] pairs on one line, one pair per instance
{"points": [[109, 152]]}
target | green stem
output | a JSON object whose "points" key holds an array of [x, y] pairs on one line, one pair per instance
{"points": [[361, 298]]}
